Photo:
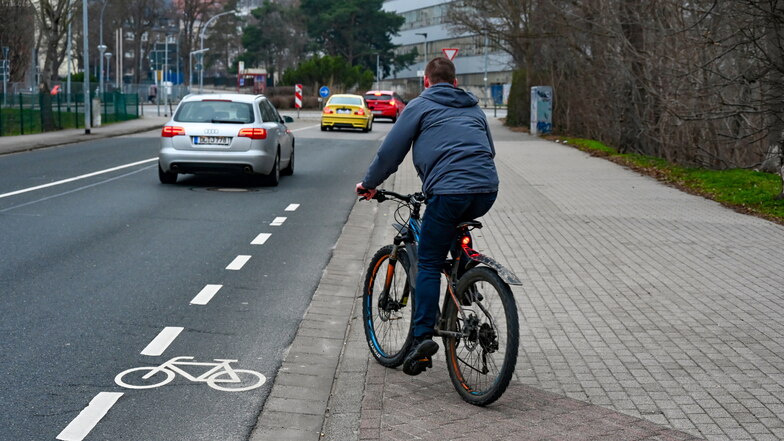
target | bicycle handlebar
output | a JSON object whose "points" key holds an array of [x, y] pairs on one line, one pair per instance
{"points": [[382, 195]]}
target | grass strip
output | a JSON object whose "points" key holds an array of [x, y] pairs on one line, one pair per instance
{"points": [[746, 191]]}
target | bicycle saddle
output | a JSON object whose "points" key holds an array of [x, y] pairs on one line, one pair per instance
{"points": [[469, 224]]}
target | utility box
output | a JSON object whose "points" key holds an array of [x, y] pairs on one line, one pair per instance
{"points": [[541, 110]]}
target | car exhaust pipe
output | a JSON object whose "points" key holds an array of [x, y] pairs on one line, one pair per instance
{"points": [[247, 169], [175, 167]]}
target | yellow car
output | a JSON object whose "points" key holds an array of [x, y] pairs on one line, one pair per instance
{"points": [[350, 111]]}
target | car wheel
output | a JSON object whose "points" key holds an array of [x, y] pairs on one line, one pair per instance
{"points": [[394, 118], [166, 177], [323, 128], [289, 170], [273, 178]]}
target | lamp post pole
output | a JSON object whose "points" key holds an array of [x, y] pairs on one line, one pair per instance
{"points": [[424, 62], [201, 47], [86, 59]]}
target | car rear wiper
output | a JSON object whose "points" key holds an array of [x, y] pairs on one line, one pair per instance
{"points": [[228, 121]]}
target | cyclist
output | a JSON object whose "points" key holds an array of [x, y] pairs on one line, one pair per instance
{"points": [[453, 155]]}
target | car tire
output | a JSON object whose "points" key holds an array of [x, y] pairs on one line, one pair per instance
{"points": [[394, 118], [323, 128], [370, 126], [166, 177], [289, 170], [273, 178]]}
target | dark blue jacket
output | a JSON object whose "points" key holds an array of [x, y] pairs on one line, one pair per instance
{"points": [[453, 149]]}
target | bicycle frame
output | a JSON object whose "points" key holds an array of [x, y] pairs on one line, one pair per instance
{"points": [[464, 257], [172, 365]]}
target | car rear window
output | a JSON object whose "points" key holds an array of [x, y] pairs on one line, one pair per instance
{"points": [[214, 111], [375, 97], [345, 100]]}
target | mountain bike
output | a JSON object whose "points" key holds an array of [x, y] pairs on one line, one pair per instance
{"points": [[478, 320]]}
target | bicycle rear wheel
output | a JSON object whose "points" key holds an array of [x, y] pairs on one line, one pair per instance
{"points": [[481, 362], [387, 315]]}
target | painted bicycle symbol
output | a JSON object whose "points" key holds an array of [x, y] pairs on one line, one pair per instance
{"points": [[221, 376]]}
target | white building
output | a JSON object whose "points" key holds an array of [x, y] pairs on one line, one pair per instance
{"points": [[479, 67]]}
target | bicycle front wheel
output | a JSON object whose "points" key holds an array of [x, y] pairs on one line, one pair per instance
{"points": [[387, 306], [482, 361]]}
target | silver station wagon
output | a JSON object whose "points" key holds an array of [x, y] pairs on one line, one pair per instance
{"points": [[226, 133]]}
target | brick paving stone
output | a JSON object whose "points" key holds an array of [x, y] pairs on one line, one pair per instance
{"points": [[646, 314]]}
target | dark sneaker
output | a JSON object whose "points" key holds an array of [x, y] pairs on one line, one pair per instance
{"points": [[420, 357]]}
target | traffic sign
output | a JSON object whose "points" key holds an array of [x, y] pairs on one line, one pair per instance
{"points": [[450, 53], [324, 91]]}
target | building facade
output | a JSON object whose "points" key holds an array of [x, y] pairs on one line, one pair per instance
{"points": [[480, 68]]}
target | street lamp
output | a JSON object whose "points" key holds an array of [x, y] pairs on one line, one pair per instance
{"points": [[190, 65], [108, 56], [424, 34], [101, 49], [201, 47]]}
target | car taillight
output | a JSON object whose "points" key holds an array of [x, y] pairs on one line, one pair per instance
{"points": [[359, 112], [391, 102], [328, 110], [170, 131], [253, 133]]}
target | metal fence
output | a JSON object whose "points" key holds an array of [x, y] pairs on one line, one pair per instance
{"points": [[20, 114]]}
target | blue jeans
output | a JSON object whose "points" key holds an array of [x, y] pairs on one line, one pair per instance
{"points": [[439, 231]]}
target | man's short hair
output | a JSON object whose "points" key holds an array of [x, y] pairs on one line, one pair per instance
{"points": [[440, 70]]}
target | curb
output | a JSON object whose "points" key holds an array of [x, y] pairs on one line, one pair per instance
{"points": [[298, 403]]}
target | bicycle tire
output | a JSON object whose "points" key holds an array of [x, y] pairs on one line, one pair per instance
{"points": [[388, 332], [152, 370], [494, 342]]}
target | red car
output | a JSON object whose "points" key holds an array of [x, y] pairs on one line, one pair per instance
{"points": [[384, 104]]}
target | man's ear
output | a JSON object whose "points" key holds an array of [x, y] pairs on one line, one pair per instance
{"points": [[454, 83], [427, 82]]}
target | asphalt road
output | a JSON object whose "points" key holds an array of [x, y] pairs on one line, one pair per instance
{"points": [[98, 271]]}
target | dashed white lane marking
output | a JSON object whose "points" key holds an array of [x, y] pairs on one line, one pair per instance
{"points": [[292, 207], [162, 341], [278, 221], [205, 295], [260, 239], [89, 416], [76, 178], [238, 263]]}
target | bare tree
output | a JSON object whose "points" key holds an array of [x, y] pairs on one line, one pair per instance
{"points": [[53, 24], [17, 18]]}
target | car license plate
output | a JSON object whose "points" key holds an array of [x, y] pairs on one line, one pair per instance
{"points": [[212, 140], [344, 111], [376, 112]]}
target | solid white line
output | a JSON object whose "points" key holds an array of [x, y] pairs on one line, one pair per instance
{"points": [[205, 295], [238, 263], [278, 221], [76, 178], [292, 207], [305, 128], [89, 416], [162, 341], [260, 239]]}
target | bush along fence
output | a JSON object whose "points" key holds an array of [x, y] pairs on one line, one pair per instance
{"points": [[20, 114]]}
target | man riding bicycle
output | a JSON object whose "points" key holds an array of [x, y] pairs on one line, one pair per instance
{"points": [[453, 155]]}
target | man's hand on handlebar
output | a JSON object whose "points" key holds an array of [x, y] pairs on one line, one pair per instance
{"points": [[365, 193]]}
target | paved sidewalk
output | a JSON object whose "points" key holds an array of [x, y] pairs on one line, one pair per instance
{"points": [[647, 313]]}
